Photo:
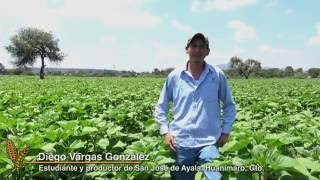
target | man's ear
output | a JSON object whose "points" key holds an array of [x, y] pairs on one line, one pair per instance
{"points": [[208, 51]]}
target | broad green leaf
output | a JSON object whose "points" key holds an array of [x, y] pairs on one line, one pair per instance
{"points": [[77, 144], [72, 110], [164, 160], [135, 136], [114, 130], [285, 174], [103, 143], [119, 144], [49, 147], [199, 176], [288, 162], [68, 124], [309, 164], [88, 130], [52, 134], [4, 158], [235, 145]]}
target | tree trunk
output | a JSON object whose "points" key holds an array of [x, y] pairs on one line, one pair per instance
{"points": [[42, 68]]}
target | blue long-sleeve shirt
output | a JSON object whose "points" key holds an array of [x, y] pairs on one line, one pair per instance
{"points": [[196, 107]]}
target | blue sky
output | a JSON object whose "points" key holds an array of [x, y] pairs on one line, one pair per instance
{"points": [[142, 35]]}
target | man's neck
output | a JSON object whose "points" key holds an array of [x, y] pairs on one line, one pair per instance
{"points": [[195, 68]]}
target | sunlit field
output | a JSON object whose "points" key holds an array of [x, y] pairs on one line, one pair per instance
{"points": [[277, 126]]}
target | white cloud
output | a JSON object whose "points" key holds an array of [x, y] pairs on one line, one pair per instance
{"points": [[272, 3], [280, 36], [219, 55], [135, 56], [34, 13], [108, 40], [112, 13], [315, 40], [168, 55], [243, 31], [129, 56], [181, 27], [219, 5], [304, 58], [21, 14], [238, 51], [289, 11], [196, 6], [268, 49]]}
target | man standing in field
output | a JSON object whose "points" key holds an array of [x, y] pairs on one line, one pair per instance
{"points": [[196, 91]]}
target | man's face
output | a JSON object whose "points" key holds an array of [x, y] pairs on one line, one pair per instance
{"points": [[197, 50]]}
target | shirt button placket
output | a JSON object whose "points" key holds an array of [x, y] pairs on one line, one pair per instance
{"points": [[194, 105]]}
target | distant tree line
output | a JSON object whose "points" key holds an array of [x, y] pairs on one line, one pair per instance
{"points": [[251, 67], [164, 72], [249, 70], [26, 70]]}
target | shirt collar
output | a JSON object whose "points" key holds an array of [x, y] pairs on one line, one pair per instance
{"points": [[207, 68]]}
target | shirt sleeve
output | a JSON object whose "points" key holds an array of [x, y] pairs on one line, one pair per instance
{"points": [[229, 108], [162, 107]]}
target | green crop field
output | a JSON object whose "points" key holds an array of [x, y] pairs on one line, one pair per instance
{"points": [[277, 125]]}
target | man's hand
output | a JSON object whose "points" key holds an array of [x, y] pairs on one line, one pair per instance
{"points": [[170, 141], [223, 139]]}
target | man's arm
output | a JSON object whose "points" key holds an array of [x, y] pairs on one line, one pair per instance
{"points": [[161, 114], [229, 108], [162, 108]]}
